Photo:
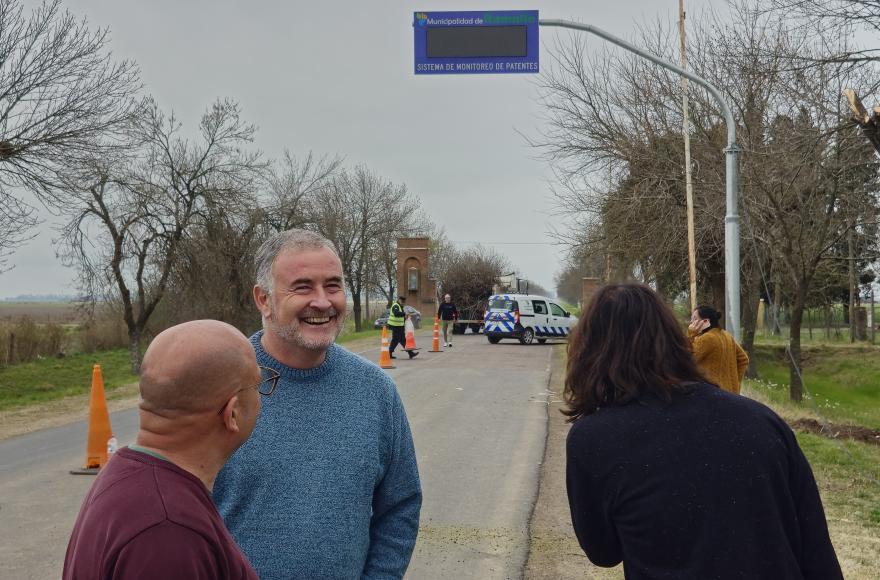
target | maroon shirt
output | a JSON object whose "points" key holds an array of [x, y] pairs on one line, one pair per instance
{"points": [[147, 518]]}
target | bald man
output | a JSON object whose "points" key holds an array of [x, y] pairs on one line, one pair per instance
{"points": [[149, 513]]}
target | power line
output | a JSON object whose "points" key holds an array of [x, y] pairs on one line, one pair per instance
{"points": [[504, 243]]}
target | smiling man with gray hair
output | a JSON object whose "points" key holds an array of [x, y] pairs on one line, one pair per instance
{"points": [[327, 486]]}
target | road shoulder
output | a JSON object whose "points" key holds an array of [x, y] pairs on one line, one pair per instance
{"points": [[22, 420], [554, 552]]}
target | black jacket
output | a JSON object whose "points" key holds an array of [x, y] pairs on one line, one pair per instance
{"points": [[447, 311], [709, 485]]}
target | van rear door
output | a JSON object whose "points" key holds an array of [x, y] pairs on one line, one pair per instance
{"points": [[501, 315]]}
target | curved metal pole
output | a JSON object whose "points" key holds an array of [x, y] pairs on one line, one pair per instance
{"points": [[731, 220]]}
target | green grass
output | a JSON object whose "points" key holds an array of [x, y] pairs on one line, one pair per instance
{"points": [[847, 474], [845, 384], [350, 336], [572, 308], [843, 381], [52, 378], [838, 337], [48, 379]]}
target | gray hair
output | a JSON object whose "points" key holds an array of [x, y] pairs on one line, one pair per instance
{"points": [[295, 240]]}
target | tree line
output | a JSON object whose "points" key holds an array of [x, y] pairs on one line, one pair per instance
{"points": [[808, 177], [160, 220]]}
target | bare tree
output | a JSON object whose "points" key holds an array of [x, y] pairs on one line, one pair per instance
{"points": [[16, 222], [469, 275], [62, 100], [129, 217], [356, 211], [294, 184], [614, 137], [834, 14], [214, 273]]}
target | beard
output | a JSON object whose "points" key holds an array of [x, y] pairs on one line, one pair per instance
{"points": [[293, 334]]}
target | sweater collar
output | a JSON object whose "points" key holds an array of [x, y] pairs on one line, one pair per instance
{"points": [[290, 373]]}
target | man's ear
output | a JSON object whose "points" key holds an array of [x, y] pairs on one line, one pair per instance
{"points": [[232, 414], [261, 299]]}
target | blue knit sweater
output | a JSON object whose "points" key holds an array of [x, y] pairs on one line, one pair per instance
{"points": [[327, 486]]}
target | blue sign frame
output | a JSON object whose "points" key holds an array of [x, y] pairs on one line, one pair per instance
{"points": [[424, 21]]}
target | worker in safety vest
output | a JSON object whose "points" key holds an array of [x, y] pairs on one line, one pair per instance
{"points": [[396, 319]]}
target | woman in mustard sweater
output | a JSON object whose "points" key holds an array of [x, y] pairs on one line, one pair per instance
{"points": [[721, 359]]}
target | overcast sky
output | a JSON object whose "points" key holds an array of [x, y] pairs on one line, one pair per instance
{"points": [[337, 77]]}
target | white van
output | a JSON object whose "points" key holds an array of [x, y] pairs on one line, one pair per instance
{"points": [[526, 317]]}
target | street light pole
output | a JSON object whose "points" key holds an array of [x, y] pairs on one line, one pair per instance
{"points": [[731, 220]]}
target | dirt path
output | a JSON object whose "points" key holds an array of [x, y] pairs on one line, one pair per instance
{"points": [[554, 552]]}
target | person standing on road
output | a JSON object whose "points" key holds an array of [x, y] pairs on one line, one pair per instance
{"points": [[396, 320], [149, 513], [675, 477], [448, 314], [328, 486], [717, 353]]}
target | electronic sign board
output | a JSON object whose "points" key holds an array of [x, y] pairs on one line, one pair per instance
{"points": [[487, 42]]}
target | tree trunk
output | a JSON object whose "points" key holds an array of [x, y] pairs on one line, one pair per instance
{"points": [[775, 327], [750, 307], [356, 311], [796, 389], [367, 302], [134, 350], [716, 287], [810, 323], [827, 322], [852, 287], [750, 323]]}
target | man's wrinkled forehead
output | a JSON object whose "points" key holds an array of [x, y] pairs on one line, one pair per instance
{"points": [[320, 265]]}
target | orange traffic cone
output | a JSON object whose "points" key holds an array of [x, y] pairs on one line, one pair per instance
{"points": [[410, 337], [435, 346], [99, 427], [384, 355]]}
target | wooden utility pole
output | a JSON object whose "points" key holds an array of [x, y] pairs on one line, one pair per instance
{"points": [[689, 188]]}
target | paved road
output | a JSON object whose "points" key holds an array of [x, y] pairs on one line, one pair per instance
{"points": [[479, 423]]}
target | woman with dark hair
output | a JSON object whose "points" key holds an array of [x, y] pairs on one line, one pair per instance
{"points": [[673, 476], [721, 359]]}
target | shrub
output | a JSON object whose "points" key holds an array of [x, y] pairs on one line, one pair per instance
{"points": [[102, 333], [24, 340]]}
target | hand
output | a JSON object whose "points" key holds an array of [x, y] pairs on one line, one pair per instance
{"points": [[698, 325]]}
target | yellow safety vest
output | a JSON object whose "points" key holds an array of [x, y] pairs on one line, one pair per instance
{"points": [[395, 320]]}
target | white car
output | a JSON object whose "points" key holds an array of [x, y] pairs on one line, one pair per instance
{"points": [[526, 317]]}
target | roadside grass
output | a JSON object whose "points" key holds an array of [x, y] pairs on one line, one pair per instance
{"points": [[843, 381], [52, 378], [847, 474], [350, 336], [47, 379], [572, 308]]}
